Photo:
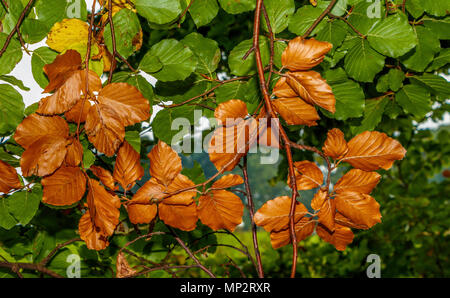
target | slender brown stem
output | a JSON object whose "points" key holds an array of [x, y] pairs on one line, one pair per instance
{"points": [[272, 44], [113, 38], [348, 23], [55, 250], [319, 19], [251, 209], [184, 13], [28, 266]]}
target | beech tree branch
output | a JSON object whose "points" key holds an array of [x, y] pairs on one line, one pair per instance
{"points": [[319, 19]]}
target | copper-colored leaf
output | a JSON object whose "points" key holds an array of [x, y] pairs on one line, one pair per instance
{"points": [[127, 169], [141, 214], [183, 191], [123, 269], [44, 156], [326, 214], [58, 70], [340, 238], [357, 181], [36, 126], [313, 89], [73, 115], [335, 145], [65, 187], [93, 237], [220, 209], [303, 229], [372, 150], [165, 164], [104, 175], [304, 54], [274, 214], [347, 222], [74, 153], [127, 102], [295, 111], [359, 208], [227, 181], [179, 216], [319, 198], [231, 110], [104, 129], [8, 178], [283, 90], [307, 174], [151, 191]]}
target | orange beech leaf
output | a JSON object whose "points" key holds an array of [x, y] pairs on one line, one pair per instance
{"points": [[303, 229], [335, 145], [318, 199], [94, 238], [313, 89], [372, 150], [74, 154], [283, 90], [179, 216], [233, 109], [228, 181], [105, 176], [8, 178], [103, 208], [69, 93], [58, 70], [274, 214], [141, 214], [165, 164], [308, 175], [295, 111], [44, 156], [64, 187], [184, 189], [326, 214], [127, 169], [340, 238], [360, 208], [36, 126], [104, 129], [127, 101], [73, 115], [304, 54], [123, 269], [357, 181], [151, 191], [347, 222], [220, 209]]}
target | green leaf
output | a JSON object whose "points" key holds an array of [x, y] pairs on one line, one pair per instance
{"points": [[159, 11], [414, 99], [305, 16], [392, 109], [24, 204], [7, 221], [178, 61], [39, 59], [373, 112], [206, 50], [392, 36], [203, 11], [237, 6], [14, 81], [395, 78], [241, 67], [349, 95], [126, 28], [33, 31], [179, 91], [150, 63], [11, 109], [383, 83], [50, 12], [422, 55], [168, 131], [415, 8], [440, 27], [437, 8], [195, 173], [365, 15], [362, 63], [233, 90], [9, 158], [434, 83], [31, 109], [134, 139], [441, 60], [334, 32], [88, 158], [12, 55], [279, 12]]}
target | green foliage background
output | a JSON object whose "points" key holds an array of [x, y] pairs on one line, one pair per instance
{"points": [[389, 80]]}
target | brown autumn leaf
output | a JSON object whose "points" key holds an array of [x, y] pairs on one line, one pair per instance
{"points": [[326, 214], [73, 115], [36, 126], [8, 178], [74, 154], [44, 156], [274, 214], [228, 181], [308, 175], [357, 181], [220, 209], [104, 129], [319, 199], [165, 164], [94, 238], [304, 54], [179, 216], [123, 269], [141, 214], [283, 90], [69, 93], [340, 238], [360, 208], [126, 100], [58, 70], [180, 191], [335, 145], [372, 150], [313, 89], [295, 111], [127, 169], [230, 110], [105, 176], [64, 187], [151, 192], [303, 229], [347, 222]]}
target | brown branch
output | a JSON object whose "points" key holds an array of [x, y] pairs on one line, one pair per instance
{"points": [[28, 266], [319, 19], [251, 209], [348, 23], [404, 6], [113, 38], [55, 250], [272, 43], [184, 13]]}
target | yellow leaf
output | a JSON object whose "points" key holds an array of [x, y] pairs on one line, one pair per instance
{"points": [[67, 33]]}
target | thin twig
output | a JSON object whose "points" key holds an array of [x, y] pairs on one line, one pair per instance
{"points": [[319, 19], [113, 38], [348, 23]]}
